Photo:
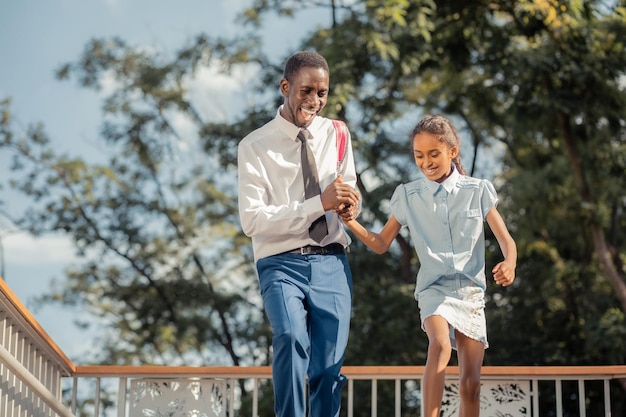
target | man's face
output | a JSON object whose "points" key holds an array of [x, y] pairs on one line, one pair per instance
{"points": [[305, 96]]}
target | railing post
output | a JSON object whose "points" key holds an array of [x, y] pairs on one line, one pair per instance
{"points": [[350, 398], [121, 397], [374, 397], [74, 402], [581, 398], [607, 398], [559, 397], [255, 398], [398, 398]]}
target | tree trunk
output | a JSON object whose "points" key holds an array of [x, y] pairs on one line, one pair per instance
{"points": [[607, 265], [601, 248]]}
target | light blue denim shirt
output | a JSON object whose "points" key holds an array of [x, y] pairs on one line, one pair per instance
{"points": [[446, 223]]}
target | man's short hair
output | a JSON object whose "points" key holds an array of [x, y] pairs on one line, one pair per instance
{"points": [[301, 60]]}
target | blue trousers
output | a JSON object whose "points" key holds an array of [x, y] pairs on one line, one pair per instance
{"points": [[308, 301]]}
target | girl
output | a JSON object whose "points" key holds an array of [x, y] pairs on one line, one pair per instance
{"points": [[445, 213]]}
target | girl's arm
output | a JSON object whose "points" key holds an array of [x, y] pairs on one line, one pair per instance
{"points": [[378, 242], [503, 272]]}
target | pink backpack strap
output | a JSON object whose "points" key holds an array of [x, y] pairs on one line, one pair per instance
{"points": [[341, 133]]}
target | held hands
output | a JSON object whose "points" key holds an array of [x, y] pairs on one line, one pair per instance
{"points": [[346, 212], [341, 198], [504, 273]]}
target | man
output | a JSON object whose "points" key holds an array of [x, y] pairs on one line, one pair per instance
{"points": [[298, 240]]}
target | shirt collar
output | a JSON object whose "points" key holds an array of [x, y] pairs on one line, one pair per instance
{"points": [[292, 130], [449, 184]]}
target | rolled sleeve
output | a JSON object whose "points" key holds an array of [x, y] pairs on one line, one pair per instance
{"points": [[488, 197], [398, 204]]}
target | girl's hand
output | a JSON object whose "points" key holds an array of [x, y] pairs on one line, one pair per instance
{"points": [[346, 212], [504, 273]]}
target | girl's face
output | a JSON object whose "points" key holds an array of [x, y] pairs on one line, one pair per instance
{"points": [[434, 158]]}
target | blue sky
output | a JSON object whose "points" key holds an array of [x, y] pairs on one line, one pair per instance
{"points": [[36, 38]]}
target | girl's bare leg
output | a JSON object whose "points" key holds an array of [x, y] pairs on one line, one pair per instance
{"points": [[439, 351], [470, 353]]}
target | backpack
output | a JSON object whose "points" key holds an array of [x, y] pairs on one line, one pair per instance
{"points": [[341, 134]]}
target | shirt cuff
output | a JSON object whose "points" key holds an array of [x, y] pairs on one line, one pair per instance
{"points": [[313, 207]]}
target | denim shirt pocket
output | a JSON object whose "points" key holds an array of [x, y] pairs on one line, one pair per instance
{"points": [[473, 213]]}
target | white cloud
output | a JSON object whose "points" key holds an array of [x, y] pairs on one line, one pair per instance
{"points": [[220, 96], [23, 249]]}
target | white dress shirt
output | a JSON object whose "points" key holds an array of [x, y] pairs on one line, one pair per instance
{"points": [[272, 207]]}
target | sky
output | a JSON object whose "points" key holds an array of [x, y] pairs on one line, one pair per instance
{"points": [[36, 38]]}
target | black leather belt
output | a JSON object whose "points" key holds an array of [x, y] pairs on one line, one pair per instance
{"points": [[332, 249]]}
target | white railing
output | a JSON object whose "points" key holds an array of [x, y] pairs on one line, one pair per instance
{"points": [[31, 365], [508, 391], [34, 373]]}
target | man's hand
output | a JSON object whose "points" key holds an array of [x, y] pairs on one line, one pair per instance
{"points": [[339, 196]]}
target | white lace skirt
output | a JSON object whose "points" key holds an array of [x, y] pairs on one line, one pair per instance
{"points": [[461, 302]]}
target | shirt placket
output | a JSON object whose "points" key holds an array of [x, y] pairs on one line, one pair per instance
{"points": [[443, 213]]}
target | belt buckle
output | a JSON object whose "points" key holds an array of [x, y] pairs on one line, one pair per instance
{"points": [[314, 250]]}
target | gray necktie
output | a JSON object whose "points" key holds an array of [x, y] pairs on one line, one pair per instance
{"points": [[319, 228]]}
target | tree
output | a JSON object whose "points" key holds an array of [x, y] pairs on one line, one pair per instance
{"points": [[157, 225]]}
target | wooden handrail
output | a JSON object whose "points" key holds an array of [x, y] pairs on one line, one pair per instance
{"points": [[617, 371], [555, 372]]}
